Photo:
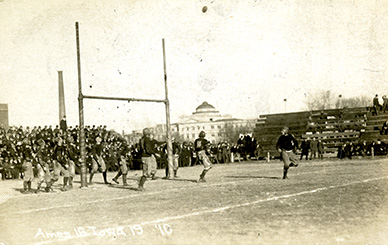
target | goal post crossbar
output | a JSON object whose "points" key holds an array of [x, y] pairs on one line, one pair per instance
{"points": [[120, 98], [81, 97]]}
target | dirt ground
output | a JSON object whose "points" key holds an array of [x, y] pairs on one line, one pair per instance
{"points": [[323, 202]]}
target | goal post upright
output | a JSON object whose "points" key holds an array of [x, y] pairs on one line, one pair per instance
{"points": [[81, 136], [81, 97], [167, 103]]}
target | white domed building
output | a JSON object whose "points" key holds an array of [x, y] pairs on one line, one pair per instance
{"points": [[218, 128], [205, 112]]}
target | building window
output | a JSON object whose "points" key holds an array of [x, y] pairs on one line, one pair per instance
{"points": [[212, 127], [188, 136], [219, 126], [199, 127], [193, 136]]}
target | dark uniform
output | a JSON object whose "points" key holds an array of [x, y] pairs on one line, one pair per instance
{"points": [[286, 145], [148, 153], [98, 162], [60, 163], [172, 169], [200, 145], [123, 169]]}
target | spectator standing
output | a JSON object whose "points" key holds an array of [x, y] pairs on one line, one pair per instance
{"points": [[63, 124], [348, 149], [376, 105], [320, 149], [305, 146], [185, 155], [313, 148], [385, 103], [172, 168], [384, 129]]}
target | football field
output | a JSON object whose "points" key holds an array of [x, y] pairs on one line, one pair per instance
{"points": [[323, 202]]}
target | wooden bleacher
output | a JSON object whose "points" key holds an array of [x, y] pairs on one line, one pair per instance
{"points": [[373, 126], [333, 127], [268, 129]]}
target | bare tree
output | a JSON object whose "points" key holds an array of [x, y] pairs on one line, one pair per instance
{"points": [[361, 101], [321, 100], [177, 136], [231, 132]]}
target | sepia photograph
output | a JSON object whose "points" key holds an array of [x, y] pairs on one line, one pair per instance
{"points": [[179, 122]]}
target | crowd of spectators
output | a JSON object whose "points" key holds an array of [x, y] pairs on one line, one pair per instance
{"points": [[362, 148], [15, 142]]}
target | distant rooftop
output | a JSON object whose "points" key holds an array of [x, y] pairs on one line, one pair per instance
{"points": [[205, 108], [3, 106]]}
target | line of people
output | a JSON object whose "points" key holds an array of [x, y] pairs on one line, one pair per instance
{"points": [[43, 155], [349, 149], [148, 148], [377, 107], [311, 149]]}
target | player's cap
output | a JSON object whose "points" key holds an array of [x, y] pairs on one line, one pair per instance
{"points": [[285, 129], [27, 154], [146, 131], [202, 134], [98, 139]]}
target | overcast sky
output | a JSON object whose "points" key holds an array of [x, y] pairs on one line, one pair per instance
{"points": [[242, 56]]}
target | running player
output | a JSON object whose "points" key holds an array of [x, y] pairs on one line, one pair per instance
{"points": [[28, 171], [148, 157], [123, 170], [98, 162], [200, 145], [286, 145], [172, 169]]}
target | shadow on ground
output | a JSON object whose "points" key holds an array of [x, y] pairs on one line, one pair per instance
{"points": [[253, 177], [123, 187]]}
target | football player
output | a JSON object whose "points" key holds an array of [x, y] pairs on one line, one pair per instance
{"points": [[200, 145]]}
